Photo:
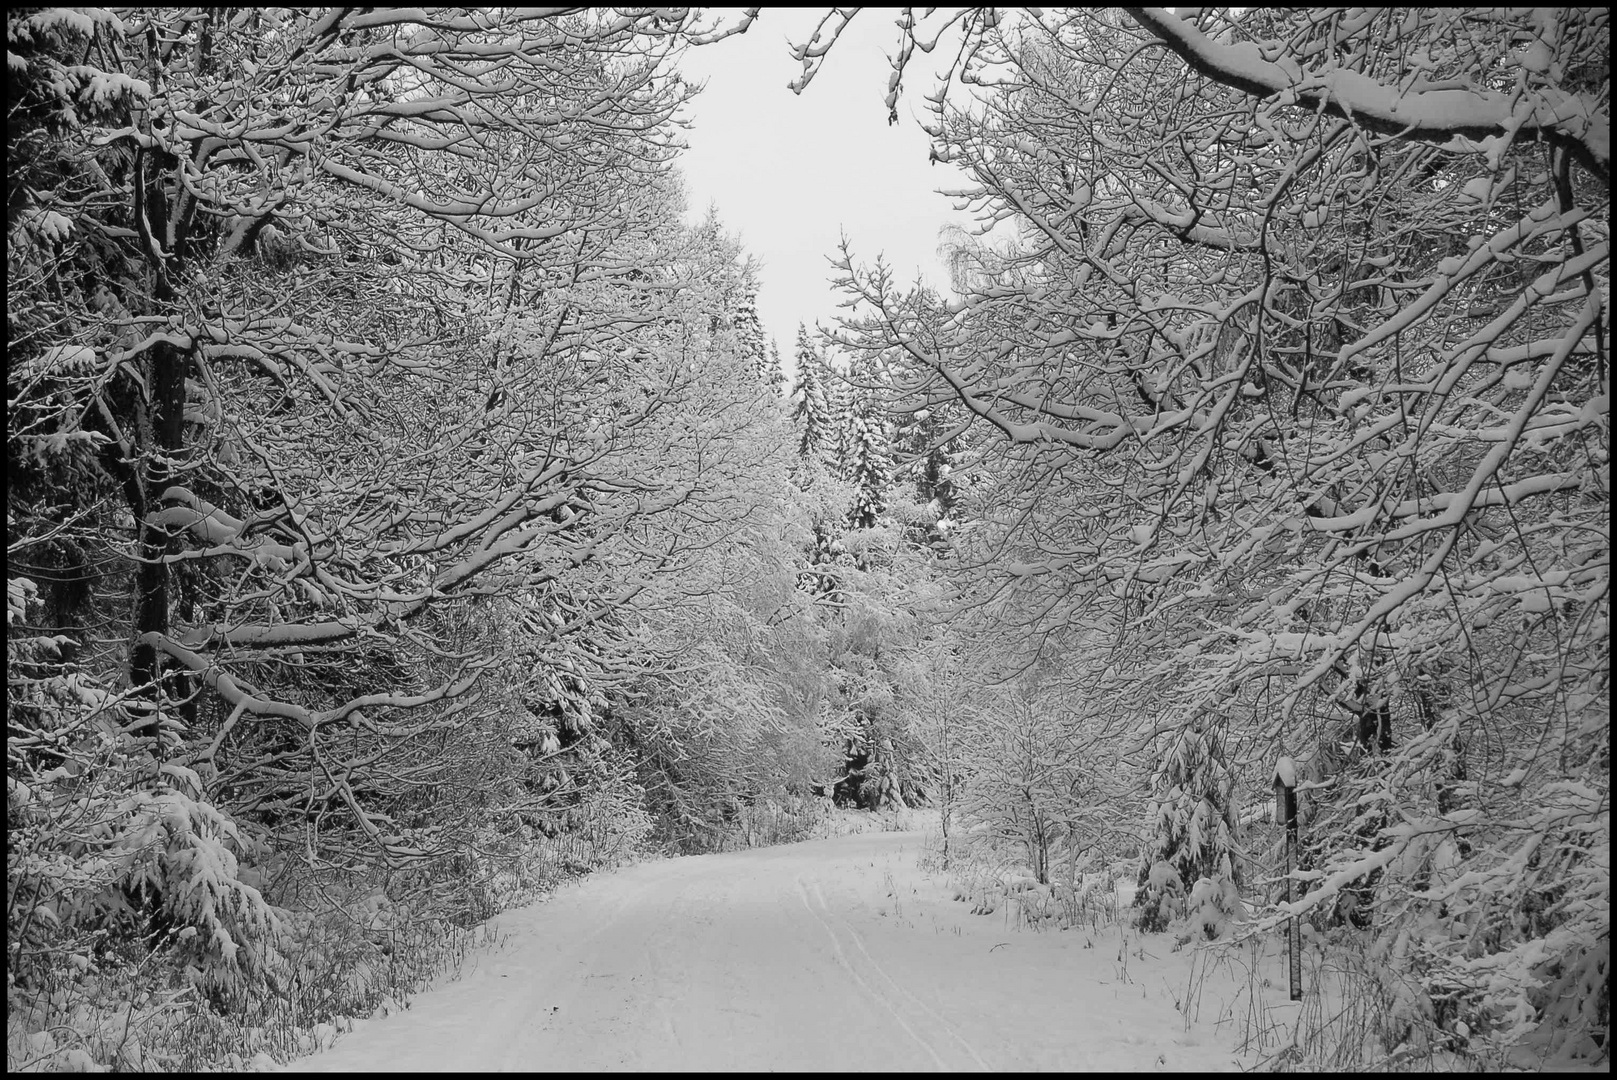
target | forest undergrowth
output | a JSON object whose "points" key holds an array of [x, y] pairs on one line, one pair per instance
{"points": [[1358, 1012], [342, 949]]}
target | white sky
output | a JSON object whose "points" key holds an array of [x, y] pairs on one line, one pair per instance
{"points": [[790, 173]]}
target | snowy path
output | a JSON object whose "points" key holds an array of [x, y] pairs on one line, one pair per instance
{"points": [[833, 954]]}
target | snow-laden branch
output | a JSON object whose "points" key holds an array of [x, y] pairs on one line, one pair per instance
{"points": [[1429, 115]]}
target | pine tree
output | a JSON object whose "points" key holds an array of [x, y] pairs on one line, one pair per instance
{"points": [[839, 412], [818, 453], [773, 374], [928, 436], [920, 455], [868, 449], [752, 345], [810, 408], [731, 282], [1193, 834]]}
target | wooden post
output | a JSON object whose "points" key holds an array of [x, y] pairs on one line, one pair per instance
{"points": [[1285, 785]]}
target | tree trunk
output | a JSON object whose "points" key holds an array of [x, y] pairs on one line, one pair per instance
{"points": [[161, 433]]}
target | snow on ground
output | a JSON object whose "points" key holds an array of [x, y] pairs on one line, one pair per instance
{"points": [[829, 954]]}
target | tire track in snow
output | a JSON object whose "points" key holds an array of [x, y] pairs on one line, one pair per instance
{"points": [[883, 1000], [859, 943], [526, 1014], [660, 970]]}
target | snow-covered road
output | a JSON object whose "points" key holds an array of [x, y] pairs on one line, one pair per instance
{"points": [[832, 954]]}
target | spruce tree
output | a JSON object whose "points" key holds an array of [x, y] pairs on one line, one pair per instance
{"points": [[922, 457], [773, 374], [810, 408], [752, 345], [839, 411], [867, 447]]}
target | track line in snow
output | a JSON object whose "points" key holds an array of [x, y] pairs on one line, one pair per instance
{"points": [[880, 999], [532, 1006], [859, 943], [719, 962]]}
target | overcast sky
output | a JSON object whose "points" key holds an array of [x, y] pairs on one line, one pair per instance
{"points": [[790, 172]]}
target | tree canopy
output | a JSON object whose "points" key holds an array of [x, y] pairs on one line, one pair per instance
{"points": [[1286, 335]]}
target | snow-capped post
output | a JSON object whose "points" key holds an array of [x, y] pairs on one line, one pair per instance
{"points": [[1285, 785]]}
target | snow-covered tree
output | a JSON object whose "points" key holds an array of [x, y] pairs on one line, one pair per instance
{"points": [[840, 407], [341, 373], [750, 334], [869, 456], [810, 405], [1298, 370], [1193, 828], [773, 374], [864, 454]]}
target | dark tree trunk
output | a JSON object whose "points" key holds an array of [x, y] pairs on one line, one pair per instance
{"points": [[162, 436]]}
